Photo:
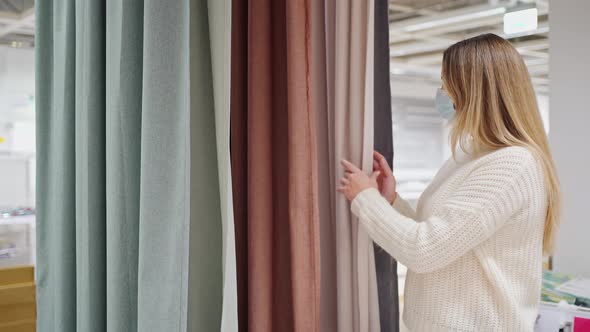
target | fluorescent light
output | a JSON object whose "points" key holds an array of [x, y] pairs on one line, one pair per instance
{"points": [[520, 21], [454, 19]]}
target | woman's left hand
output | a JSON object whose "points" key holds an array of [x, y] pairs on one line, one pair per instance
{"points": [[355, 181]]}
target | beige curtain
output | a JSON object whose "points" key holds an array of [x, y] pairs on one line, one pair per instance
{"points": [[345, 131]]}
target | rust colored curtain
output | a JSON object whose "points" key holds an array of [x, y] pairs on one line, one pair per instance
{"points": [[273, 152]]}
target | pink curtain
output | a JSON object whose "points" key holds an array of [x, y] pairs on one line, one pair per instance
{"points": [[274, 157], [346, 132], [302, 100]]}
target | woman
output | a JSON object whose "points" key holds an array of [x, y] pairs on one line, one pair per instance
{"points": [[474, 246]]}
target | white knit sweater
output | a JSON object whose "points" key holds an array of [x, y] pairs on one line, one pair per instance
{"points": [[473, 248]]}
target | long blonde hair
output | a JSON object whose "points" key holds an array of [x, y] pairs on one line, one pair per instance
{"points": [[496, 107]]}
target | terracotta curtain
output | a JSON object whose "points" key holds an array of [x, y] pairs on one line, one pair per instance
{"points": [[273, 155], [386, 266]]}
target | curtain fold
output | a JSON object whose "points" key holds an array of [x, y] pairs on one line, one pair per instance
{"points": [[239, 151], [386, 266], [205, 253], [129, 167], [349, 69], [319, 99], [274, 167], [212, 289], [90, 161], [220, 40], [56, 166], [124, 71]]}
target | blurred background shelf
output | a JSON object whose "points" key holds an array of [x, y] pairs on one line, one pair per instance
{"points": [[17, 299]]}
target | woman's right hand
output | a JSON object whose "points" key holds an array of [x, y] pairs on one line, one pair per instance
{"points": [[386, 180]]}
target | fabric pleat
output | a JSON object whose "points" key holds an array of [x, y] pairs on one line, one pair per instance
{"points": [[220, 40], [205, 284], [90, 170], [319, 99], [274, 167], [239, 151], [164, 186], [303, 175], [123, 127], [56, 211], [386, 266], [134, 207], [349, 68]]}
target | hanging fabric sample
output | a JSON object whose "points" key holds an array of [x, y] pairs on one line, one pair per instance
{"points": [[118, 200], [348, 125], [274, 173], [212, 291], [386, 266], [325, 160]]}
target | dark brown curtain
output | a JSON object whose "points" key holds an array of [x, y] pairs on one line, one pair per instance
{"points": [[385, 265], [273, 149]]}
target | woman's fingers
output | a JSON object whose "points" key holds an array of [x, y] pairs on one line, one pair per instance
{"points": [[375, 165], [349, 166], [377, 155], [344, 181], [382, 162]]}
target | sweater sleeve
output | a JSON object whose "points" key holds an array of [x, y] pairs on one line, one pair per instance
{"points": [[487, 197], [403, 207]]}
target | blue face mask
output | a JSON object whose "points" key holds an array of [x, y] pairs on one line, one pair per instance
{"points": [[444, 105]]}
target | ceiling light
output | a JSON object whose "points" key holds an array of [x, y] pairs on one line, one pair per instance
{"points": [[520, 19]]}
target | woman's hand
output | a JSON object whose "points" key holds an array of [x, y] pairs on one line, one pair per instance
{"points": [[386, 180], [355, 181]]}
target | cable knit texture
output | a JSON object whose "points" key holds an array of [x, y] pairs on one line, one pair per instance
{"points": [[473, 247]]}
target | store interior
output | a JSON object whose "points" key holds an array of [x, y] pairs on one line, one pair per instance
{"points": [[550, 36]]}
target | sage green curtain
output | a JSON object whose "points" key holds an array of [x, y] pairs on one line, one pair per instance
{"points": [[130, 230], [212, 280]]}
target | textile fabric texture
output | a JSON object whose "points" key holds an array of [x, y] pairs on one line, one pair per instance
{"points": [[212, 290], [120, 191], [349, 53], [326, 185], [386, 266], [274, 170]]}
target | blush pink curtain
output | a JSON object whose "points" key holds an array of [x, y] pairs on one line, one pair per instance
{"points": [[345, 131]]}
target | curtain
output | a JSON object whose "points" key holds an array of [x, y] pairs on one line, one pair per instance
{"points": [[326, 186], [212, 290], [219, 16], [348, 123], [130, 205], [386, 266], [274, 171]]}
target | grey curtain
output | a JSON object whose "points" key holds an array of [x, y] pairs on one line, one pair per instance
{"points": [[129, 204], [385, 265]]}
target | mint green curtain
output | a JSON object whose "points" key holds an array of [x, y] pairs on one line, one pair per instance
{"points": [[212, 276], [131, 230]]}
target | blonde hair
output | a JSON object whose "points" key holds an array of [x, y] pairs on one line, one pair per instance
{"points": [[496, 107]]}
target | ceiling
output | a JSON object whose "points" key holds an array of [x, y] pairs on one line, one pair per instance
{"points": [[17, 23], [420, 30]]}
